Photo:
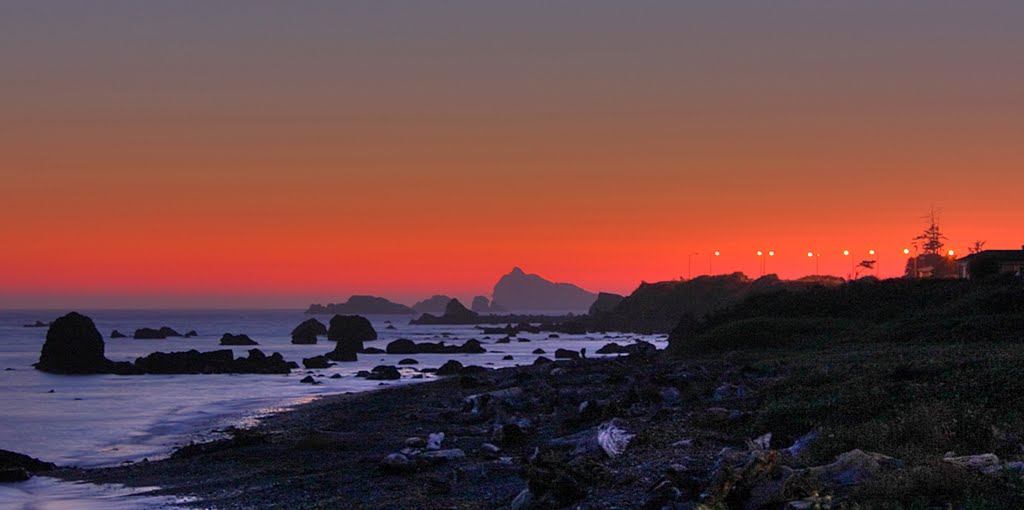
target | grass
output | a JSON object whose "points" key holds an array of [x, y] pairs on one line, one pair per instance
{"points": [[942, 373]]}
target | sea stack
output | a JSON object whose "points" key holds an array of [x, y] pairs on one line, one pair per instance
{"points": [[350, 331], [73, 346]]}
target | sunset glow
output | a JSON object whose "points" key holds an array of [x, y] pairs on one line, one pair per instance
{"points": [[153, 157]]}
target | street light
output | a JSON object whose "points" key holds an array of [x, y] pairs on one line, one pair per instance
{"points": [[689, 265], [716, 253], [877, 270], [761, 254], [906, 251], [951, 253], [846, 253]]}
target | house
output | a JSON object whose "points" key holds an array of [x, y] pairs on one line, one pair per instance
{"points": [[991, 262]]}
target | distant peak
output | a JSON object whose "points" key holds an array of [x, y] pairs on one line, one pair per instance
{"points": [[516, 270]]}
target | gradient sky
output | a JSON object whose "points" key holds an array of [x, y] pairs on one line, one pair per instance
{"points": [[256, 153]]}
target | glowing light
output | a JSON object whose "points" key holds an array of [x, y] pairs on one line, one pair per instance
{"points": [[906, 251], [846, 253], [772, 254], [809, 254], [717, 253], [759, 253], [871, 252], [951, 253]]}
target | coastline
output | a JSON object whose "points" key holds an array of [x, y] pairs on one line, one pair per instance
{"points": [[758, 428]]}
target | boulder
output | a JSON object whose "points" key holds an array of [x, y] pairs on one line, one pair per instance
{"points": [[350, 331], [566, 354], [242, 339], [117, 334], [316, 362], [191, 333], [12, 460], [36, 324], [308, 380], [384, 373], [155, 334], [539, 351], [73, 346], [450, 367], [307, 332], [401, 346], [481, 304], [408, 361], [214, 362]]}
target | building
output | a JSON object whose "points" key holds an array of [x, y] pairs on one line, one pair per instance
{"points": [[991, 262]]}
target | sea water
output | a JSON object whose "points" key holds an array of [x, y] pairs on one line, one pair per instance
{"points": [[105, 420]]}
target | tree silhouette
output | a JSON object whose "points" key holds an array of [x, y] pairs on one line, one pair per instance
{"points": [[931, 240], [979, 246]]}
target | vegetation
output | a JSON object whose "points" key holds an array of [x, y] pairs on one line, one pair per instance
{"points": [[911, 369]]}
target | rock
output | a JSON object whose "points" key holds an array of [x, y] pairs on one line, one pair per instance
{"points": [[317, 362], [604, 303], [508, 357], [539, 351], [408, 361], [364, 305], [307, 332], [541, 360], [481, 304], [444, 455], [457, 312], [406, 346], [612, 438], [434, 441], [852, 468], [155, 334], [401, 346], [351, 329], [505, 340], [397, 463], [415, 442], [191, 333], [14, 474], [308, 380], [522, 501], [566, 354], [384, 373], [553, 336], [450, 367], [336, 376], [117, 334], [987, 463], [489, 451], [639, 347], [242, 339], [434, 304], [518, 290], [36, 324], [73, 346], [15, 467], [372, 350], [214, 362]]}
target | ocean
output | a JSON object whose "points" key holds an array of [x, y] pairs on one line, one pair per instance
{"points": [[106, 420]]}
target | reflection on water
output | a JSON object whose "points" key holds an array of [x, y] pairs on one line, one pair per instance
{"points": [[44, 493]]}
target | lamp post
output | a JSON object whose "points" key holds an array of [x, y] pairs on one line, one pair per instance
{"points": [[846, 253], [817, 262], [877, 270], [689, 265], [906, 251], [761, 255], [710, 258]]}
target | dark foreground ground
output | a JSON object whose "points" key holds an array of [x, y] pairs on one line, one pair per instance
{"points": [[853, 425]]}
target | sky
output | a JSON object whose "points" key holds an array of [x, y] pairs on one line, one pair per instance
{"points": [[256, 153]]}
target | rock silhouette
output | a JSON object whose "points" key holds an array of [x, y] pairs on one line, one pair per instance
{"points": [[520, 291]]}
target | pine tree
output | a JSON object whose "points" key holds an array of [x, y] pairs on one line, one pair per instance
{"points": [[931, 240]]}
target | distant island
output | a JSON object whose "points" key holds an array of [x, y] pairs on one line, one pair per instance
{"points": [[519, 291], [366, 305]]}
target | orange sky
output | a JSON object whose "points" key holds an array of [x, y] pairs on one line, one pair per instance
{"points": [[245, 157]]}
